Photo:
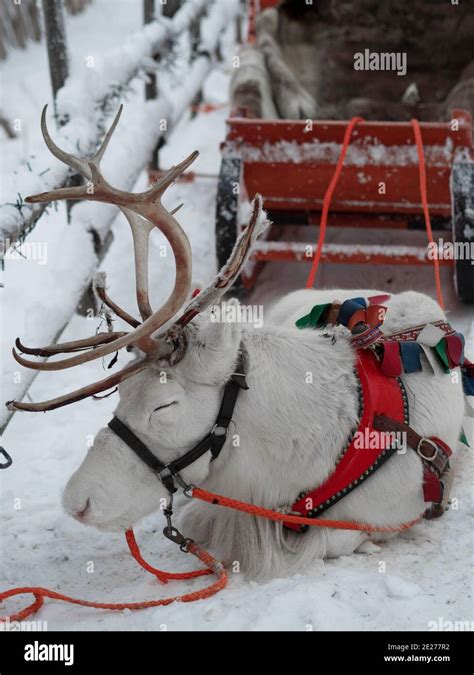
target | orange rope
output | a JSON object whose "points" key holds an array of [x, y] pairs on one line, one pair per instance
{"points": [[424, 200], [262, 512], [332, 186], [327, 200], [212, 565], [208, 107], [164, 577]]}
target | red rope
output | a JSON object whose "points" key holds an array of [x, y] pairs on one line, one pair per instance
{"points": [[261, 512], [328, 198], [333, 184], [424, 200], [164, 577], [212, 567]]}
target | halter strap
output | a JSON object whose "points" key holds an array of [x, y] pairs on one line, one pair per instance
{"points": [[213, 442]]}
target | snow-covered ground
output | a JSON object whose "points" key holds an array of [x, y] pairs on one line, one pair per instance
{"points": [[426, 572]]}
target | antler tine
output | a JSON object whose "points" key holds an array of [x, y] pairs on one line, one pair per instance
{"points": [[233, 267], [84, 392], [73, 346], [171, 175], [84, 166], [141, 230], [81, 165], [76, 192], [100, 289], [103, 146]]}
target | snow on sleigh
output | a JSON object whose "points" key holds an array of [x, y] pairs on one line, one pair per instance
{"points": [[364, 174]]}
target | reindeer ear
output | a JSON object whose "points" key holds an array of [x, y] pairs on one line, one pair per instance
{"points": [[213, 344]]}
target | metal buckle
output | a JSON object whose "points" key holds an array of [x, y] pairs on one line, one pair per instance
{"points": [[224, 431], [171, 532], [188, 491], [420, 452], [182, 483], [8, 460]]}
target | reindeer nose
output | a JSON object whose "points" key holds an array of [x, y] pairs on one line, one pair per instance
{"points": [[80, 514]]}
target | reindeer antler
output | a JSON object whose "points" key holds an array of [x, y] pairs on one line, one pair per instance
{"points": [[144, 211], [227, 275], [175, 337]]}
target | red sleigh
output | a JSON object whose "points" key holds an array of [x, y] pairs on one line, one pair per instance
{"points": [[291, 164]]}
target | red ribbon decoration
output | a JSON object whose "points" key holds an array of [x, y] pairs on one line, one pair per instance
{"points": [[391, 362]]}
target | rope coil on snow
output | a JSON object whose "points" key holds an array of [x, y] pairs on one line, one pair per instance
{"points": [[212, 567]]}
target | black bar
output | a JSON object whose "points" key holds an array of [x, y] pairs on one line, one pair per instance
{"points": [[149, 652]]}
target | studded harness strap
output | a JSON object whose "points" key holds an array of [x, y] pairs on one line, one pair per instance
{"points": [[383, 421]]}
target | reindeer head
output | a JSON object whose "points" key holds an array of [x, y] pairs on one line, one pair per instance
{"points": [[170, 394]]}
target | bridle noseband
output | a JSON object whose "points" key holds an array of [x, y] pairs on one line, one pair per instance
{"points": [[213, 442]]}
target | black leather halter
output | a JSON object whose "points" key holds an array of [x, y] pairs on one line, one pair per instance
{"points": [[213, 442]]}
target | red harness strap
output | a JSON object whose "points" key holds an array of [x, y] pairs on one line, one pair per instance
{"points": [[369, 448], [383, 399]]}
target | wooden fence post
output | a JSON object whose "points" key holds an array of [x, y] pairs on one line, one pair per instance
{"points": [[195, 35], [58, 58], [168, 9], [53, 11], [151, 86], [151, 90]]}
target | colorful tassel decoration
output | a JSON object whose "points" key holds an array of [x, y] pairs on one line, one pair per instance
{"points": [[350, 307], [316, 318], [410, 353], [455, 349], [463, 438], [467, 371], [441, 353], [391, 361]]}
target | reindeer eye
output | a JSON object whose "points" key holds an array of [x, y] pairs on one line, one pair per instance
{"points": [[165, 405]]}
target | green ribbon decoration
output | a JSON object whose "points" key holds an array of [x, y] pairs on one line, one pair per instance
{"points": [[315, 319], [463, 438], [440, 350]]}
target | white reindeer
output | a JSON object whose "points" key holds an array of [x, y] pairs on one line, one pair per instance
{"points": [[290, 433]]}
